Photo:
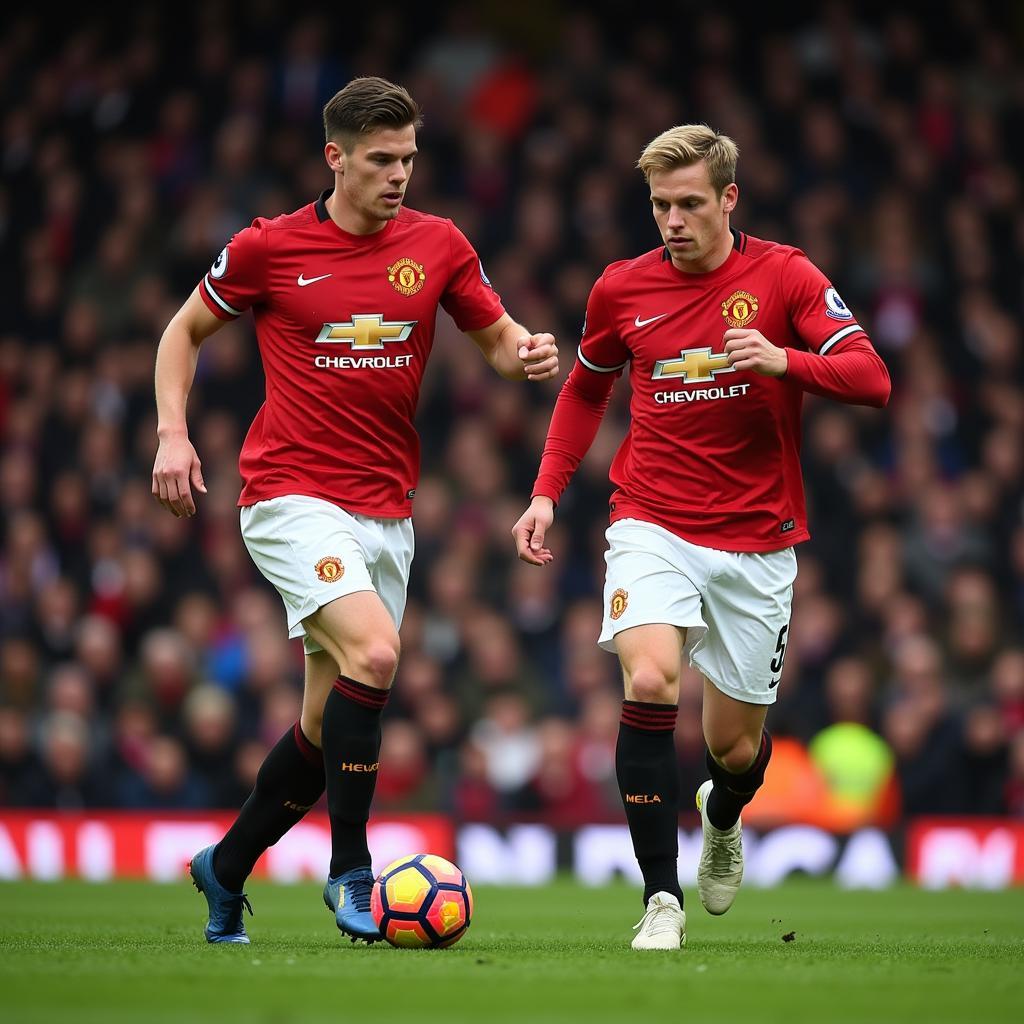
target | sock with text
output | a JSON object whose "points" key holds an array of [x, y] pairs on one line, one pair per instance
{"points": [[648, 777], [731, 793], [289, 783], [351, 744]]}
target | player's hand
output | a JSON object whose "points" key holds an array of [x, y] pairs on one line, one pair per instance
{"points": [[176, 470], [751, 350], [530, 530], [539, 355]]}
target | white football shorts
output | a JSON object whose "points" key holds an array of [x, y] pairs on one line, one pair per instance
{"points": [[314, 552], [734, 606]]}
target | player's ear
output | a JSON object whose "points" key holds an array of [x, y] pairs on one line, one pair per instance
{"points": [[335, 156], [730, 196]]}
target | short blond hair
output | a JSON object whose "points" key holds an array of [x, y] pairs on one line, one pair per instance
{"points": [[688, 144]]}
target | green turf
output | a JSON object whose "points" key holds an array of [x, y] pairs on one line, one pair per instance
{"points": [[134, 952]]}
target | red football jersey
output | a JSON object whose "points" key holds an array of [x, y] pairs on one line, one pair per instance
{"points": [[712, 453], [345, 324]]}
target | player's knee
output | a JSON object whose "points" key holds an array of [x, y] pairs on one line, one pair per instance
{"points": [[376, 663], [649, 685], [737, 756]]}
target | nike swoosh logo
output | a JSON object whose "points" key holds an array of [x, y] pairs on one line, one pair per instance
{"points": [[303, 281], [774, 683], [650, 320]]}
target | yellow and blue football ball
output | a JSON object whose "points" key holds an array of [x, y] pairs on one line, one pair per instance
{"points": [[422, 902]]}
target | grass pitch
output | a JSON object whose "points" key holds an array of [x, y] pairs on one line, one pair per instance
{"points": [[134, 952]]}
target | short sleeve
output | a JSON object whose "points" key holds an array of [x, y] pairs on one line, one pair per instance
{"points": [[601, 348], [237, 279], [820, 317], [468, 296]]}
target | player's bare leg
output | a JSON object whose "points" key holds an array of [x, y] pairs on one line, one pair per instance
{"points": [[321, 672], [648, 775], [360, 636], [739, 749]]}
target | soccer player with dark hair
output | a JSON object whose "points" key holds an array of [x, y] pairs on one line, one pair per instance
{"points": [[722, 334], [344, 293]]}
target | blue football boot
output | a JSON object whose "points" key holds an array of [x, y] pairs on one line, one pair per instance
{"points": [[225, 924], [348, 896]]}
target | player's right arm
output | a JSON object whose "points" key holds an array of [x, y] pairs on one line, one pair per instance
{"points": [[176, 469], [236, 280], [578, 412]]}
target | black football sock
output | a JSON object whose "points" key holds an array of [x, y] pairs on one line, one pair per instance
{"points": [[351, 743], [648, 777], [289, 782], [731, 793]]}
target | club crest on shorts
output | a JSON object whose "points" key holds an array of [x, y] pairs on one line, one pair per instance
{"points": [[619, 601], [739, 309], [329, 569], [406, 276]]}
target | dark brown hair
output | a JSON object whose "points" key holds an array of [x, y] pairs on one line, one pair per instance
{"points": [[365, 105]]}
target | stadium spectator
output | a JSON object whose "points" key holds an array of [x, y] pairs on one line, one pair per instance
{"points": [[19, 763], [167, 779], [70, 779]]}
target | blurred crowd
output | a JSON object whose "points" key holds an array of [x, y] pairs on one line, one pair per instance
{"points": [[143, 661]]}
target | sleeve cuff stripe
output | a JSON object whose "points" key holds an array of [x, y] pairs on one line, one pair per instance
{"points": [[839, 335], [220, 302], [594, 366]]}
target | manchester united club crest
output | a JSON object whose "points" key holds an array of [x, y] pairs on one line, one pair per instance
{"points": [[329, 569], [406, 276], [739, 309], [619, 601]]}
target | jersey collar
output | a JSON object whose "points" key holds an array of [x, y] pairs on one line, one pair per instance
{"points": [[324, 217]]}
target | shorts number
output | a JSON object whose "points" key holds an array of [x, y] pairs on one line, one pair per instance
{"points": [[780, 650]]}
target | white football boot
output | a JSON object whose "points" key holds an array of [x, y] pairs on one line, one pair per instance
{"points": [[721, 860], [663, 926]]}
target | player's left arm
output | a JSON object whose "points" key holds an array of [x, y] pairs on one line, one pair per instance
{"points": [[516, 353], [836, 359], [853, 374]]}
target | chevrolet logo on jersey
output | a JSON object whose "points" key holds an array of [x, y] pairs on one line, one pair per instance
{"points": [[366, 331], [697, 366]]}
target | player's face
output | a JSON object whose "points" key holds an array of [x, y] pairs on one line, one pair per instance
{"points": [[692, 217], [374, 176]]}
